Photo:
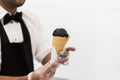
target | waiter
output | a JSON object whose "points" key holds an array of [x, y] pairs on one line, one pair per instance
{"points": [[22, 38]]}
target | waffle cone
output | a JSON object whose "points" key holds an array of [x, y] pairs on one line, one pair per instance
{"points": [[59, 42]]}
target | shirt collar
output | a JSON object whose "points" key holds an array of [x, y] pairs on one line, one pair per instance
{"points": [[3, 12]]}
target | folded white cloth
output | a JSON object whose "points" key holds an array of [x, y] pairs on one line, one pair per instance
{"points": [[53, 55]]}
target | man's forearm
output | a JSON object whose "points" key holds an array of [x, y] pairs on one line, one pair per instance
{"points": [[13, 78], [46, 59]]}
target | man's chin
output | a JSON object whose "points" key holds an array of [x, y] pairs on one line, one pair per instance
{"points": [[20, 3]]}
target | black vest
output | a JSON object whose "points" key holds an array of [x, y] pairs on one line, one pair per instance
{"points": [[17, 59]]}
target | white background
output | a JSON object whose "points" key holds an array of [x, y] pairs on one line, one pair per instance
{"points": [[94, 27]]}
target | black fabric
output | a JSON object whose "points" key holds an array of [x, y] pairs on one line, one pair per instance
{"points": [[17, 59]]}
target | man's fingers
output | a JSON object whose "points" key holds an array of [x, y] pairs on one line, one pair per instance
{"points": [[70, 49], [46, 72], [62, 60], [63, 54], [65, 51], [51, 67], [50, 70]]}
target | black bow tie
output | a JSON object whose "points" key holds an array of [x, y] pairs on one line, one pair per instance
{"points": [[17, 17]]}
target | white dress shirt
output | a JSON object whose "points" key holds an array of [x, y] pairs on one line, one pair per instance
{"points": [[39, 39]]}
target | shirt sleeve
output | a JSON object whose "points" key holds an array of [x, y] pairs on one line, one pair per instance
{"points": [[40, 37], [43, 46], [43, 43]]}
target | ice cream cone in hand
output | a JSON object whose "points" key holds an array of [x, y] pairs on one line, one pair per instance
{"points": [[60, 38]]}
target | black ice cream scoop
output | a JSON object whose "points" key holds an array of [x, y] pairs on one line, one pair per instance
{"points": [[60, 32]]}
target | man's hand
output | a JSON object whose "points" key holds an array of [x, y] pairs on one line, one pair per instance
{"points": [[63, 56], [46, 72]]}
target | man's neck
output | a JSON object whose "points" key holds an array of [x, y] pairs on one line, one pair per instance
{"points": [[10, 10]]}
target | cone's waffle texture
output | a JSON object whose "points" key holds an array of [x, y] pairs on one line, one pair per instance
{"points": [[59, 42]]}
